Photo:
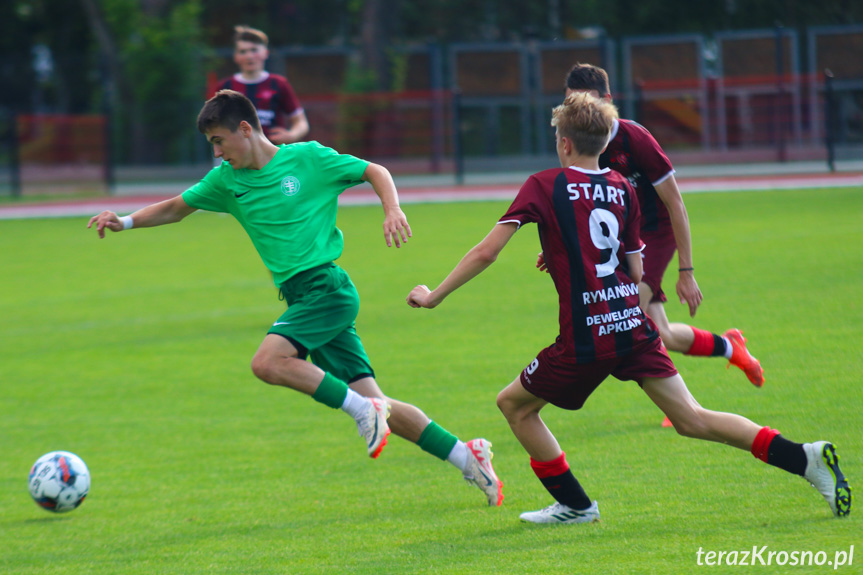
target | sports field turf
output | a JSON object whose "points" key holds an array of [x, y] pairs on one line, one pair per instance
{"points": [[133, 352]]}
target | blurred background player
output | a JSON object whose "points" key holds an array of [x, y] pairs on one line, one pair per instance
{"points": [[286, 199], [636, 154], [282, 117], [588, 221]]}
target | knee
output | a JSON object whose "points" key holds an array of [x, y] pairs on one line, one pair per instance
{"points": [[504, 404], [665, 334], [512, 409], [262, 367], [693, 425]]}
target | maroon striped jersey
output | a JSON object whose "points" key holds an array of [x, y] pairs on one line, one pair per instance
{"points": [[635, 153], [273, 97], [588, 220]]}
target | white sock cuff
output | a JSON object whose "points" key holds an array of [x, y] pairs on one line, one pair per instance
{"points": [[728, 349], [355, 404], [458, 455]]}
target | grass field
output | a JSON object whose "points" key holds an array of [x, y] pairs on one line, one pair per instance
{"points": [[133, 352]]}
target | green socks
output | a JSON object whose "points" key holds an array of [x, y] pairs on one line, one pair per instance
{"points": [[331, 391], [437, 441], [434, 439]]}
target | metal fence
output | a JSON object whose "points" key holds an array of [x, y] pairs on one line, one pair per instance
{"points": [[768, 95], [735, 96]]}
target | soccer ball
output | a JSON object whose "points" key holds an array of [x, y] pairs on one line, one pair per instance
{"points": [[59, 481]]}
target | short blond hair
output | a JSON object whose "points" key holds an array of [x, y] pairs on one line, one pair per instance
{"points": [[586, 121]]}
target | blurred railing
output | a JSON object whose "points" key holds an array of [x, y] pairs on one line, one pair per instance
{"points": [[740, 96]]}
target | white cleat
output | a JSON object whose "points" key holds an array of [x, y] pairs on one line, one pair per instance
{"points": [[822, 471], [480, 472], [559, 513], [373, 426]]}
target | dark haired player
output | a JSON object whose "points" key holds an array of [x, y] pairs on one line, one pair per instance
{"points": [[588, 221], [286, 198], [282, 117], [633, 152]]}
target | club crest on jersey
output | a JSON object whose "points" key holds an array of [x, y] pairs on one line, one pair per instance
{"points": [[290, 186]]}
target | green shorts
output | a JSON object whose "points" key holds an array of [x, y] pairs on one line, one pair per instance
{"points": [[320, 322]]}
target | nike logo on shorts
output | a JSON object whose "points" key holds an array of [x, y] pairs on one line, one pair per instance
{"points": [[281, 323]]}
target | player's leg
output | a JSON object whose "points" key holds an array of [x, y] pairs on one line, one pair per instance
{"points": [[472, 458], [676, 336], [690, 340], [521, 410], [322, 303], [674, 341], [692, 420], [817, 462], [681, 337], [278, 362], [572, 505], [405, 420], [346, 357]]}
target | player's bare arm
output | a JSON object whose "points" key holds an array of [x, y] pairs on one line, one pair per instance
{"points": [[687, 288], [396, 227], [471, 265], [160, 213], [636, 266], [297, 129]]}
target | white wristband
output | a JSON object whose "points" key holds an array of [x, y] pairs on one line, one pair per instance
{"points": [[127, 222]]}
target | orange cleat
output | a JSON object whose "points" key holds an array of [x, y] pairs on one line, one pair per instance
{"points": [[667, 422], [741, 357]]}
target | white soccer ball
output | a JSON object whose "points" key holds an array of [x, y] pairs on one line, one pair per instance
{"points": [[59, 481]]}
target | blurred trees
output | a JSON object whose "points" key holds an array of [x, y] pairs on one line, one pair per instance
{"points": [[329, 22], [144, 57], [148, 56], [151, 55]]}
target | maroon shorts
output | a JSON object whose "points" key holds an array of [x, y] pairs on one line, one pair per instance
{"points": [[555, 377], [658, 250]]}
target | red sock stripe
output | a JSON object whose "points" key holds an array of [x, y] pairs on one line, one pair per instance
{"points": [[543, 469], [762, 443], [702, 344]]}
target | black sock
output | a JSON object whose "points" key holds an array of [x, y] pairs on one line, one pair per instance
{"points": [[719, 345], [787, 455], [566, 489]]}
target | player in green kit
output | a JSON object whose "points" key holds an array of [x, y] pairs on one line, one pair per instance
{"points": [[286, 198]]}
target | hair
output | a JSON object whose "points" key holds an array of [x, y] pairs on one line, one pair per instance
{"points": [[247, 34], [588, 77], [226, 110], [586, 120]]}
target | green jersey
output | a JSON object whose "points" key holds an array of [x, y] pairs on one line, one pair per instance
{"points": [[288, 207]]}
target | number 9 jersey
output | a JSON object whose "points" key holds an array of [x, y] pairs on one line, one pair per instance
{"points": [[588, 220]]}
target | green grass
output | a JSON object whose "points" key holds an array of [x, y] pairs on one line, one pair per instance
{"points": [[42, 197], [134, 353]]}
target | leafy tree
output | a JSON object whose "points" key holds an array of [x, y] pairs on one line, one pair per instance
{"points": [[18, 25], [148, 55], [153, 51]]}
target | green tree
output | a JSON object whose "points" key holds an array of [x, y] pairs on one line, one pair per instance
{"points": [[18, 24], [153, 50]]}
